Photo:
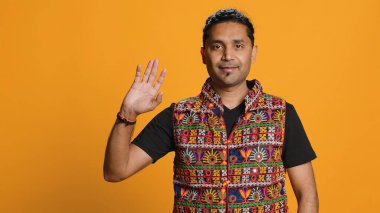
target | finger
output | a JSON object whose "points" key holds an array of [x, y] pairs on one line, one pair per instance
{"points": [[138, 73], [152, 75], [160, 80], [159, 98], [147, 71]]}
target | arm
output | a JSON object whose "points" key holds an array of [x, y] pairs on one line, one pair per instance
{"points": [[304, 187], [123, 159]]}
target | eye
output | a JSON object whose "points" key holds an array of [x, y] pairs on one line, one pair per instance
{"points": [[239, 46], [216, 46]]}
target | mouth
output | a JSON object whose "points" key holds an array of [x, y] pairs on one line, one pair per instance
{"points": [[228, 69]]}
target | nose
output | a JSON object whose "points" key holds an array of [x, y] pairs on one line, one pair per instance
{"points": [[227, 54]]}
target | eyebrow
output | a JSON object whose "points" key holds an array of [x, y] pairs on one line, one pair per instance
{"points": [[235, 41]]}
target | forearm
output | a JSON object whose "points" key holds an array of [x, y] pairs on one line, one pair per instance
{"points": [[117, 152], [304, 187], [308, 203]]}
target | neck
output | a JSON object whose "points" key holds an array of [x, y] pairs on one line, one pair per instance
{"points": [[232, 96]]}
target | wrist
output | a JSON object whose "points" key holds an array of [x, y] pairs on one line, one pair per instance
{"points": [[121, 118], [130, 116]]}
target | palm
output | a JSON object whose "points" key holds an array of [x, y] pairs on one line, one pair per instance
{"points": [[142, 96]]}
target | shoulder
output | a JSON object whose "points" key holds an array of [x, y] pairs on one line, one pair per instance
{"points": [[189, 100], [291, 114], [188, 103], [165, 114], [289, 106], [290, 109], [272, 100]]}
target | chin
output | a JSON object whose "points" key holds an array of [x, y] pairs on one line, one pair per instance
{"points": [[227, 81]]}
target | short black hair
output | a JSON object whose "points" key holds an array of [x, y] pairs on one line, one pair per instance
{"points": [[228, 15]]}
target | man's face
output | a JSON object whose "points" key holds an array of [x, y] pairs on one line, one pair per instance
{"points": [[228, 54]]}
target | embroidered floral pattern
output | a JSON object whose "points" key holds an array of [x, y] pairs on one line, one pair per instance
{"points": [[240, 173]]}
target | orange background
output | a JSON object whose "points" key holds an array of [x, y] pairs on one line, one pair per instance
{"points": [[66, 66]]}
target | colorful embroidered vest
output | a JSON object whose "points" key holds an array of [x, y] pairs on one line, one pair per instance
{"points": [[242, 173]]}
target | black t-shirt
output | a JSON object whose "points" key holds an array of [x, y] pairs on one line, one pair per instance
{"points": [[156, 139]]}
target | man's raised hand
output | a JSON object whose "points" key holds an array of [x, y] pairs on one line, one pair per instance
{"points": [[142, 96]]}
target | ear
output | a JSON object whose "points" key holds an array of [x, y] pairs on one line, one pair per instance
{"points": [[203, 55], [254, 53]]}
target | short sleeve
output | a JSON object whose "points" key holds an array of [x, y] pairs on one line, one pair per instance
{"points": [[297, 149], [156, 139]]}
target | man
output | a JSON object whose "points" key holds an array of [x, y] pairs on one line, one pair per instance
{"points": [[233, 142]]}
